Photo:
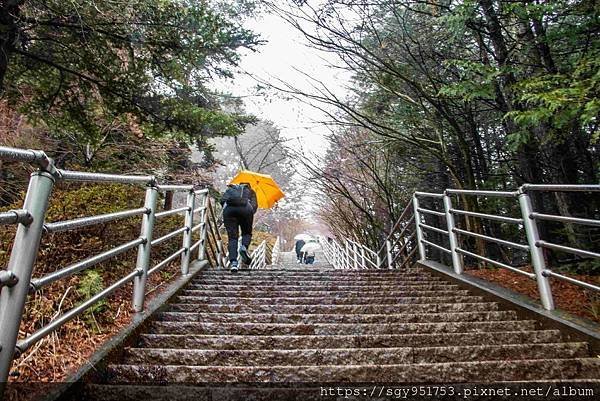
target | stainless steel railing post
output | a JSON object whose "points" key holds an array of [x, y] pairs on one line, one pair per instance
{"points": [[355, 254], [221, 252], [363, 258], [22, 258], [457, 260], [220, 262], [388, 253], [204, 228], [187, 236], [334, 252], [347, 255], [144, 249], [537, 254], [420, 244]]}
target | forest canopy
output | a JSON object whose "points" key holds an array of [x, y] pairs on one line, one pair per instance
{"points": [[477, 94], [88, 72]]}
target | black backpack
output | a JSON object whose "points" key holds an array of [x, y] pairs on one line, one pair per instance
{"points": [[236, 195]]}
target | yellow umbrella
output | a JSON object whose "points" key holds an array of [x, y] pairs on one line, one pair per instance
{"points": [[267, 190]]}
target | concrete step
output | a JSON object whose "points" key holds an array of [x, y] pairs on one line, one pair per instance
{"points": [[325, 300], [250, 275], [331, 309], [328, 287], [320, 272], [313, 325], [233, 278], [273, 342], [481, 371], [335, 318], [318, 283], [275, 293], [352, 356], [335, 328]]}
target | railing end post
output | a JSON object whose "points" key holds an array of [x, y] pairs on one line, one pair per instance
{"points": [[20, 265], [144, 249], [420, 244], [538, 260], [457, 259]]}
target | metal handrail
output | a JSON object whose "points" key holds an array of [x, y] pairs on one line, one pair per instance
{"points": [[258, 256], [429, 211], [82, 176], [31, 226], [492, 239], [275, 251], [432, 228], [15, 216], [504, 219], [428, 194], [400, 220], [563, 248], [433, 244], [35, 157], [407, 241], [166, 261], [175, 188], [93, 220], [198, 226], [561, 187], [356, 255], [345, 257], [168, 236], [550, 273], [172, 212], [222, 260], [495, 263], [565, 219], [26, 343], [68, 271], [499, 194]]}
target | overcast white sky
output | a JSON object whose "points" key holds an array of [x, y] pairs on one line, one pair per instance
{"points": [[285, 57]]}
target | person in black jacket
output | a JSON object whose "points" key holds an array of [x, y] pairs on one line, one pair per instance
{"points": [[239, 206], [299, 244]]}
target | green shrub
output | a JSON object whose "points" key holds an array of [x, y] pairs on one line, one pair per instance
{"points": [[89, 285]]}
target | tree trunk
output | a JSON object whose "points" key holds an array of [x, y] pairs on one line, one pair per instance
{"points": [[9, 11], [168, 200]]}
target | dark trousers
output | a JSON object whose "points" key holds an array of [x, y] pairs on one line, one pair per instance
{"points": [[234, 218]]}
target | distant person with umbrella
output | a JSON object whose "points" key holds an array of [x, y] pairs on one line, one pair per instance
{"points": [[300, 241], [308, 252], [246, 192]]}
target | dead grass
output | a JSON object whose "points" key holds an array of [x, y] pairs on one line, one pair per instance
{"points": [[60, 354], [568, 297]]}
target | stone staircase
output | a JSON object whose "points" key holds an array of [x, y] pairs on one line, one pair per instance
{"points": [[299, 324]]}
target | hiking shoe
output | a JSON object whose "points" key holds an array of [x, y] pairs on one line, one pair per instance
{"points": [[234, 266], [244, 254]]}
